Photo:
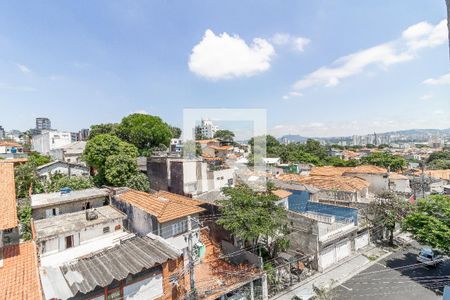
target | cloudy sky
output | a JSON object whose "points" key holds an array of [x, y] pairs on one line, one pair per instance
{"points": [[320, 68]]}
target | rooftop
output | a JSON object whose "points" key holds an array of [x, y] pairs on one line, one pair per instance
{"points": [[281, 193], [73, 222], [340, 183], [52, 199], [61, 162], [9, 144], [19, 278], [338, 171], [397, 176], [216, 276], [83, 275], [8, 211], [164, 206], [441, 174], [18, 160]]}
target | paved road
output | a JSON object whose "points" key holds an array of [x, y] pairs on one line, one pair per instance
{"points": [[390, 279]]}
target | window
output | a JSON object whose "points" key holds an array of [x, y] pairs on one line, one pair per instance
{"points": [[177, 228], [69, 241], [54, 213], [106, 229], [43, 247]]}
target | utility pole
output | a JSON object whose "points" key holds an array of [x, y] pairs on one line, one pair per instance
{"points": [[193, 292]]}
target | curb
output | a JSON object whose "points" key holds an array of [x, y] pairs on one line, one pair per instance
{"points": [[339, 282]]}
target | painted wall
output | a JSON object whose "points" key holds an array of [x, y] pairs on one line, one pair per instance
{"points": [[51, 245], [41, 213]]}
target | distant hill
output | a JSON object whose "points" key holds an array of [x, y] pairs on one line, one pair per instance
{"points": [[409, 132], [293, 138]]}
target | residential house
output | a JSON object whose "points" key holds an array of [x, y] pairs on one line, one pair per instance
{"points": [[283, 196], [328, 189], [135, 268], [19, 278], [164, 214], [186, 176], [176, 146], [62, 167], [399, 183], [70, 153], [11, 150], [70, 230], [48, 205], [327, 232], [377, 177], [227, 272], [49, 140]]}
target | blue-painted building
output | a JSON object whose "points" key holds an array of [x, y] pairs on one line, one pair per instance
{"points": [[299, 201]]}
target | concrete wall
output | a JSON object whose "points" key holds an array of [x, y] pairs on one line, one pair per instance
{"points": [[50, 140], [138, 221], [41, 213], [377, 182], [305, 236], [51, 245], [63, 169], [220, 178], [400, 185], [158, 175]]}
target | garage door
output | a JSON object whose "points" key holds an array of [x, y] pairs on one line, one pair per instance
{"points": [[343, 250], [327, 257], [362, 241]]}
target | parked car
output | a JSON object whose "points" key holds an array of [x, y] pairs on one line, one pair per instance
{"points": [[430, 256]]}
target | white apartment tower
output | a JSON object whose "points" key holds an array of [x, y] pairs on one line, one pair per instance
{"points": [[208, 129]]}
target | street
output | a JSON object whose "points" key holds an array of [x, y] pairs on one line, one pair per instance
{"points": [[398, 276]]}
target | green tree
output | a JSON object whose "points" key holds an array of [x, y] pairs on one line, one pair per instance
{"points": [[107, 128], [272, 145], [37, 159], [224, 135], [429, 221], [100, 147], [387, 210], [139, 182], [119, 169], [144, 131], [27, 180], [439, 155], [314, 147], [58, 181], [24, 216], [254, 217], [386, 160], [176, 132]]}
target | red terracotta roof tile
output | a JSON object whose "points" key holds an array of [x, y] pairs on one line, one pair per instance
{"points": [[8, 210], [19, 277], [164, 207]]}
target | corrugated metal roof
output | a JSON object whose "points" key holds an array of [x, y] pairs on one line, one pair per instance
{"points": [[130, 257]]}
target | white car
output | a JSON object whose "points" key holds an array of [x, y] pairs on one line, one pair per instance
{"points": [[430, 257]]}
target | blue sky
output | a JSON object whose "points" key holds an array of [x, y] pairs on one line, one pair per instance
{"points": [[320, 68]]}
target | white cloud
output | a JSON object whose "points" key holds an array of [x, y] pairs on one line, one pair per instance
{"points": [[442, 80], [23, 68], [426, 97], [425, 35], [418, 36], [292, 95], [297, 42], [223, 56]]}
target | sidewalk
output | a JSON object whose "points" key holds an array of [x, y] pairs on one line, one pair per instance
{"points": [[340, 273]]}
